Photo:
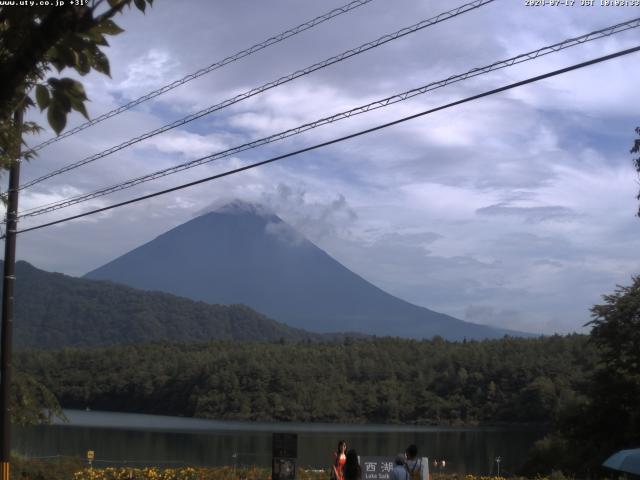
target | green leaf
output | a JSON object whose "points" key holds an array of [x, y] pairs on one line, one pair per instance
{"points": [[100, 62], [78, 42], [83, 67], [57, 117], [65, 83], [77, 91], [42, 96], [95, 37], [62, 99], [67, 56], [108, 27], [53, 55], [140, 5], [71, 88], [78, 106]]}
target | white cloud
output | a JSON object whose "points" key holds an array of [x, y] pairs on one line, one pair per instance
{"points": [[151, 71]]}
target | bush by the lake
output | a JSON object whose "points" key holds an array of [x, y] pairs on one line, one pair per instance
{"points": [[227, 473], [62, 468], [72, 468]]}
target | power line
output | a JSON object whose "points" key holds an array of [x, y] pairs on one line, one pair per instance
{"points": [[341, 139], [605, 32], [214, 66], [267, 86]]}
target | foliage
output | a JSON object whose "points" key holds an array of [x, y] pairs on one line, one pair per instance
{"points": [[550, 454], [223, 473], [61, 468], [187, 473], [383, 380], [31, 402], [636, 161], [66, 469], [607, 418], [41, 37], [611, 418], [69, 468], [616, 330]]}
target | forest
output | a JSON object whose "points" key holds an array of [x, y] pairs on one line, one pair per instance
{"points": [[380, 380]]}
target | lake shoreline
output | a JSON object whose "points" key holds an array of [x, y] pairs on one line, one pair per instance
{"points": [[83, 418]]}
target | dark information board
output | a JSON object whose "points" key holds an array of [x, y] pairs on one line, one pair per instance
{"points": [[285, 453], [376, 468]]}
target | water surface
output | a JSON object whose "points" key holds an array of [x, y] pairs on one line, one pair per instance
{"points": [[124, 438]]}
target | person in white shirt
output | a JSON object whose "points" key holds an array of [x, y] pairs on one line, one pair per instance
{"points": [[417, 468]]}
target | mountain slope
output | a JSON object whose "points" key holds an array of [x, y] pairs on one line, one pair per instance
{"points": [[54, 310], [241, 254]]}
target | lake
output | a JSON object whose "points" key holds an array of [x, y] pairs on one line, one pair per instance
{"points": [[134, 439]]}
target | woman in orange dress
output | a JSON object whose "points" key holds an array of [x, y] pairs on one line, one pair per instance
{"points": [[339, 459]]}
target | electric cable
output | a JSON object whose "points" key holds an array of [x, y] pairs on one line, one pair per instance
{"points": [[341, 139], [203, 71], [267, 86], [605, 32]]}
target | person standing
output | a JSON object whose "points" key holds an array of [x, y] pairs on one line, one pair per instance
{"points": [[352, 470], [414, 465], [400, 471], [339, 459]]}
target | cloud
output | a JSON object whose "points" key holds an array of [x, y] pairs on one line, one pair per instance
{"points": [[285, 233], [528, 214], [148, 72], [187, 145], [318, 216]]}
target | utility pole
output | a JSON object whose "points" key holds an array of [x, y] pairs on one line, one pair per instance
{"points": [[7, 300]]}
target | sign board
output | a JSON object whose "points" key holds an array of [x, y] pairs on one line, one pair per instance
{"points": [[90, 455], [285, 452], [376, 468], [380, 468]]}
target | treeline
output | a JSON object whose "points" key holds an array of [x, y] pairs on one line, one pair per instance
{"points": [[382, 380]]}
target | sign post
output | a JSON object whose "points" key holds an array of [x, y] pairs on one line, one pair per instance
{"points": [[376, 468]]}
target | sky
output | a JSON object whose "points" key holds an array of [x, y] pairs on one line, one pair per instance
{"points": [[516, 210]]}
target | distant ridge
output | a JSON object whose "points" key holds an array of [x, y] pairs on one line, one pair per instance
{"points": [[54, 311], [242, 253]]}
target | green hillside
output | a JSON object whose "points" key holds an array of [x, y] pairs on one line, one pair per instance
{"points": [[54, 310]]}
